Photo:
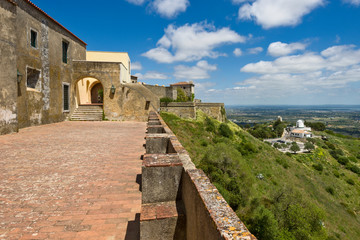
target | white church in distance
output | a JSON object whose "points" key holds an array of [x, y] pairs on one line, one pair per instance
{"points": [[300, 131]]}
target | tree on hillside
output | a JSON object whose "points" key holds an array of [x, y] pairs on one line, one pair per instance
{"points": [[317, 126], [309, 146], [294, 147], [277, 145]]}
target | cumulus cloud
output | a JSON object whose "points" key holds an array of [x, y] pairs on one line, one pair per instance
{"points": [[237, 52], [136, 66], [170, 8], [166, 8], [354, 2], [276, 13], [277, 49], [199, 71], [151, 76], [255, 50], [192, 43], [333, 68]]}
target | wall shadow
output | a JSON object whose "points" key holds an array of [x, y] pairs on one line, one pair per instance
{"points": [[139, 181], [133, 229]]}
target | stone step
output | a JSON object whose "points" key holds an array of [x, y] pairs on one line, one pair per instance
{"points": [[87, 113]]}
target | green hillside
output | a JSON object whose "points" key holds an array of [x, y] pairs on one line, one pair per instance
{"points": [[278, 196]]}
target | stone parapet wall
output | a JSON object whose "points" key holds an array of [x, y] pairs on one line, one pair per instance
{"points": [[161, 91], [188, 109], [178, 200], [181, 109]]}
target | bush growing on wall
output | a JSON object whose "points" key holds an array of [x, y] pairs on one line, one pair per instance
{"points": [[166, 99], [181, 96]]}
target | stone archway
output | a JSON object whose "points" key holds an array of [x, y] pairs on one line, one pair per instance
{"points": [[89, 91], [97, 93]]}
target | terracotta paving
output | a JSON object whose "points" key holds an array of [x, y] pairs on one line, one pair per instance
{"points": [[71, 180]]}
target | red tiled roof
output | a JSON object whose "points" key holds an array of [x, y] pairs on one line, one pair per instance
{"points": [[39, 9], [181, 83]]}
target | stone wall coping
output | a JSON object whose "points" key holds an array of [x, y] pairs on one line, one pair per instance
{"points": [[156, 211], [161, 160], [158, 135], [210, 104], [177, 104], [225, 219]]}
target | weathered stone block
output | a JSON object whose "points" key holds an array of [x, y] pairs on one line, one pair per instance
{"points": [[158, 143], [161, 176], [156, 129], [163, 220]]}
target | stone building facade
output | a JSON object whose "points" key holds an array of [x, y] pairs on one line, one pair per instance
{"points": [[41, 64]]}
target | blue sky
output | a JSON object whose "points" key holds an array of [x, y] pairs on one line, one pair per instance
{"points": [[240, 52]]}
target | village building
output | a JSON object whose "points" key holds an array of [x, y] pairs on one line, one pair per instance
{"points": [[300, 130]]}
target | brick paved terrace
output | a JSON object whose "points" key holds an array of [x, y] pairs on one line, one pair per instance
{"points": [[72, 180]]}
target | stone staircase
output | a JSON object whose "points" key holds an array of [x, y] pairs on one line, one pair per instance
{"points": [[87, 113]]}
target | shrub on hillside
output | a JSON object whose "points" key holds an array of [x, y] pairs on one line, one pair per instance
{"points": [[246, 148], [317, 126], [312, 140], [352, 159], [318, 166], [330, 145], [225, 130], [337, 153], [336, 173], [282, 162], [353, 168], [330, 190], [309, 146], [343, 160], [209, 125], [350, 181]]}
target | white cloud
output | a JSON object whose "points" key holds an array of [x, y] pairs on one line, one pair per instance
{"points": [[199, 71], [237, 52], [255, 50], [151, 76], [308, 73], [276, 13], [244, 88], [136, 66], [170, 8], [136, 2], [277, 49], [354, 2], [166, 8], [192, 43]]}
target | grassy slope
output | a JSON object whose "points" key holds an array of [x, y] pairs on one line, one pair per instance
{"points": [[280, 172]]}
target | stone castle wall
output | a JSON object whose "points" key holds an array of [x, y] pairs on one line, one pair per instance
{"points": [[188, 109]]}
